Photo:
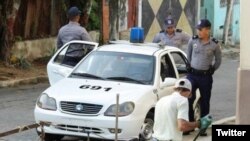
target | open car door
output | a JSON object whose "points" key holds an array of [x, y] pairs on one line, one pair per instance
{"points": [[66, 58]]}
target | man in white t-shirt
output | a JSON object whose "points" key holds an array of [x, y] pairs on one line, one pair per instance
{"points": [[171, 114]]}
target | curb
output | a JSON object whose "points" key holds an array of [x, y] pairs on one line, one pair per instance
{"points": [[225, 120], [25, 81]]}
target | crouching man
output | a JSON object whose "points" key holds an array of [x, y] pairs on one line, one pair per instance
{"points": [[171, 114]]}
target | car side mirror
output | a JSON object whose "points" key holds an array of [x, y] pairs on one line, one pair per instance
{"points": [[168, 82]]}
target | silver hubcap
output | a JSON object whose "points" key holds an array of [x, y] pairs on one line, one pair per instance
{"points": [[147, 128]]}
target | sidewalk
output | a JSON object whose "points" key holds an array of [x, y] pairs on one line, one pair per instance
{"points": [[24, 81], [228, 120], [12, 76]]}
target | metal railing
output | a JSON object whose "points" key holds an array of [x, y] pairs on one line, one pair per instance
{"points": [[20, 129]]}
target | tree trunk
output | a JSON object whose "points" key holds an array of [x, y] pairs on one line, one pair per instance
{"points": [[20, 21], [57, 16], [105, 22], [86, 12], [230, 4], [113, 18], [38, 18], [7, 20], [43, 20]]}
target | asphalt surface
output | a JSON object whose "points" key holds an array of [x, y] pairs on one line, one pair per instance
{"points": [[16, 110], [223, 98]]}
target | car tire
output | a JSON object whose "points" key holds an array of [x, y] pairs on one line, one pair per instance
{"points": [[51, 137], [147, 128]]}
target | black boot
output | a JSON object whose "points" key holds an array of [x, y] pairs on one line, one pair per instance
{"points": [[203, 133]]}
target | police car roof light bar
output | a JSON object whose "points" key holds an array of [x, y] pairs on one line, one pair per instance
{"points": [[137, 35]]}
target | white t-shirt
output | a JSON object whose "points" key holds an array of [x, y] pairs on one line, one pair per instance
{"points": [[167, 110]]}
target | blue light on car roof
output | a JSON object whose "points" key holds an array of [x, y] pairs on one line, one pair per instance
{"points": [[137, 35]]}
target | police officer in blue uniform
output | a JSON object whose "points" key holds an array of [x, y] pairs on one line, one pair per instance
{"points": [[204, 56], [72, 31], [171, 36]]}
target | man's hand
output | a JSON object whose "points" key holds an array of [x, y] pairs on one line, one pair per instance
{"points": [[205, 122], [211, 70]]}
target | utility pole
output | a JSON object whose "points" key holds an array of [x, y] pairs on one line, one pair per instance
{"points": [[105, 21]]}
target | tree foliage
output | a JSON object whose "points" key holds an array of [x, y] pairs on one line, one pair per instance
{"points": [[33, 19], [95, 16]]}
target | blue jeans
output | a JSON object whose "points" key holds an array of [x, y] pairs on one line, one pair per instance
{"points": [[204, 84]]}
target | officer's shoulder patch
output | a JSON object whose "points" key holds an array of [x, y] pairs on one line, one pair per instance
{"points": [[215, 40], [195, 37], [162, 31], [178, 30]]}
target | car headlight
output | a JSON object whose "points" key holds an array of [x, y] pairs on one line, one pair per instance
{"points": [[124, 109], [46, 102]]}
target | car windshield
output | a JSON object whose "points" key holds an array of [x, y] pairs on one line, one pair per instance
{"points": [[117, 66]]}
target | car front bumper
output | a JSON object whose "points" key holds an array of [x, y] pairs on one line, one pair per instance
{"points": [[100, 126]]}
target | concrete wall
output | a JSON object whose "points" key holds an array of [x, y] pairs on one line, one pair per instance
{"points": [[33, 49], [219, 20], [236, 23], [207, 10]]}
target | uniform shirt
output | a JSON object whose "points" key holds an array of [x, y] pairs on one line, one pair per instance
{"points": [[72, 31], [176, 40], [167, 111], [201, 56]]}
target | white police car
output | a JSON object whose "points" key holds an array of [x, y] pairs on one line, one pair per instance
{"points": [[82, 98]]}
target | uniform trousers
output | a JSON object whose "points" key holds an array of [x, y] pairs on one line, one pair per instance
{"points": [[204, 83]]}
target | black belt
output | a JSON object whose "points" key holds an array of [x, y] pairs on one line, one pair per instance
{"points": [[200, 72]]}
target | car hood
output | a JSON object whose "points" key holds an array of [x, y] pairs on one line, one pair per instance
{"points": [[96, 91]]}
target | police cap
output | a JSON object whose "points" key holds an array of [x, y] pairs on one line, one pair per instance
{"points": [[203, 23], [73, 11], [169, 22]]}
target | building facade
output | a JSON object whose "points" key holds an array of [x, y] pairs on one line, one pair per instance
{"points": [[154, 12], [150, 14], [215, 11]]}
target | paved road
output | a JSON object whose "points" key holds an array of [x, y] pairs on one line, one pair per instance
{"points": [[223, 100], [16, 109], [17, 104]]}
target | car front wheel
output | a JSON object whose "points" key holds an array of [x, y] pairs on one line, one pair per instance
{"points": [[147, 128]]}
